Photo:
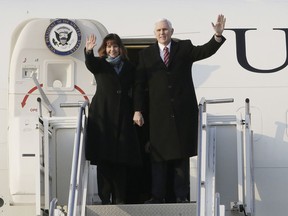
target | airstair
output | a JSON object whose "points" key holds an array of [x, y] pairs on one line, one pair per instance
{"points": [[224, 177]]}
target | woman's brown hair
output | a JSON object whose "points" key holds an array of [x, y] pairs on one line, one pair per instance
{"points": [[114, 38]]}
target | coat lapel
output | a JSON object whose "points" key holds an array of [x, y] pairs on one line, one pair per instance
{"points": [[156, 53], [173, 49]]}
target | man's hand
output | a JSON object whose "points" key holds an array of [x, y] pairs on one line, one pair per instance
{"points": [[138, 118], [219, 25]]}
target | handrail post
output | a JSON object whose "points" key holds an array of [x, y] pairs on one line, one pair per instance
{"points": [[202, 108], [248, 161]]}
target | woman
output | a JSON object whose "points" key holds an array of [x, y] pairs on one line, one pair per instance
{"points": [[112, 142]]}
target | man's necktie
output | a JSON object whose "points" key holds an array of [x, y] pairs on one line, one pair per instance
{"points": [[166, 56]]}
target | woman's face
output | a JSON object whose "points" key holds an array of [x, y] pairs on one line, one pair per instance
{"points": [[112, 49]]}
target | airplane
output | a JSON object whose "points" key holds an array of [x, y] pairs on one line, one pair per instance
{"points": [[242, 165]]}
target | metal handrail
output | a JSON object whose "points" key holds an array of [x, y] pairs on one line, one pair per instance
{"points": [[203, 102], [52, 206], [47, 103], [199, 163], [75, 162], [248, 162], [201, 198]]}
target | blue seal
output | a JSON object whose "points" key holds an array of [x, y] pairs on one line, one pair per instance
{"points": [[63, 37]]}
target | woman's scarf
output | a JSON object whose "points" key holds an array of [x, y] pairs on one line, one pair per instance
{"points": [[116, 62]]}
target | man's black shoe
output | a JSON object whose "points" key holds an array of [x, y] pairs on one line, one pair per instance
{"points": [[154, 200], [182, 200]]}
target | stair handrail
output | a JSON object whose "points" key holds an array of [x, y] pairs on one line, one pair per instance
{"points": [[52, 206], [202, 208], [47, 103], [77, 164], [248, 162]]}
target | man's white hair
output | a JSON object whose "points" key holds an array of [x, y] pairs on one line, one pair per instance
{"points": [[164, 20]]}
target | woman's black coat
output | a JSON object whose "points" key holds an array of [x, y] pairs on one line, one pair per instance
{"points": [[111, 135]]}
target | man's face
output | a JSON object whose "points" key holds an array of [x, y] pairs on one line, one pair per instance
{"points": [[163, 33]]}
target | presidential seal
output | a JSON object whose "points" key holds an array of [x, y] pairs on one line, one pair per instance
{"points": [[63, 37]]}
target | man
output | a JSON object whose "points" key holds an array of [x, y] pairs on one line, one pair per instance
{"points": [[173, 107]]}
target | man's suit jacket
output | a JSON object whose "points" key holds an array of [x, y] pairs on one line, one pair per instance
{"points": [[173, 107]]}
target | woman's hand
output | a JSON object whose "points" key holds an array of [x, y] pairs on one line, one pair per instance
{"points": [[90, 42]]}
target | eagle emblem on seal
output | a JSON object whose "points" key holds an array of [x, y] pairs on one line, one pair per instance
{"points": [[63, 37]]}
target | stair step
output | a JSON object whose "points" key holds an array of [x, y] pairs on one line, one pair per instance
{"points": [[175, 209]]}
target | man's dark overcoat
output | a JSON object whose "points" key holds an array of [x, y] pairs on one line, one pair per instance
{"points": [[111, 135], [173, 107]]}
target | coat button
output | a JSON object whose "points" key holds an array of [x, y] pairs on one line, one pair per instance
{"points": [[119, 91], [172, 116], [169, 86]]}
